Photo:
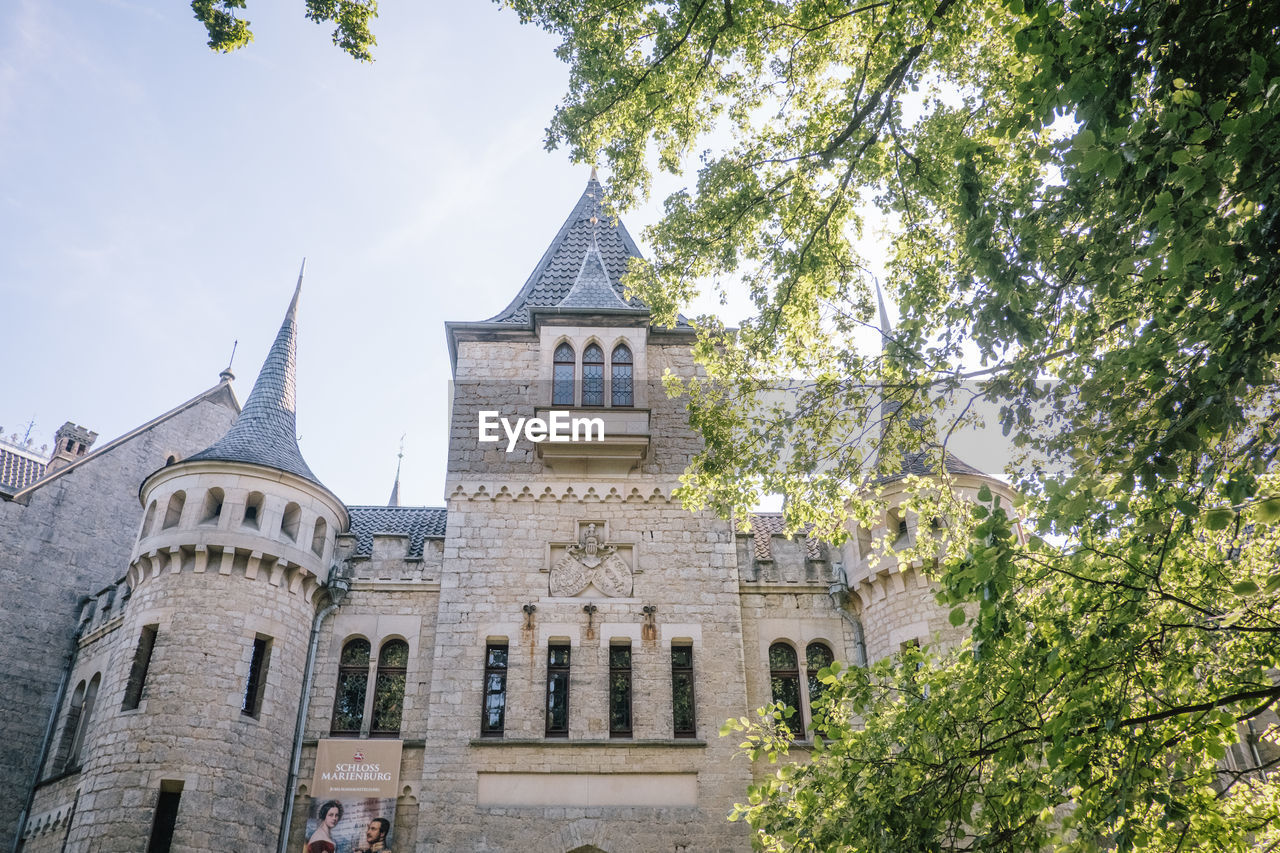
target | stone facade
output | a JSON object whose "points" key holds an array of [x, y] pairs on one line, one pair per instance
{"points": [[570, 563]]}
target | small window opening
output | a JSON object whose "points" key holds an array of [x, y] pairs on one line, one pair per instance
{"points": [[621, 379], [173, 514], [784, 682], [256, 682], [290, 521], [318, 536], [562, 376], [213, 501], [253, 509], [141, 663], [166, 819]]}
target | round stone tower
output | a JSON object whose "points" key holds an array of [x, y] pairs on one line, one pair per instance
{"points": [[235, 543]]}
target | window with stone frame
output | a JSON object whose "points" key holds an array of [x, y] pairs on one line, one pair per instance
{"points": [[683, 714], [621, 378], [593, 376], [76, 728], [562, 379], [620, 690], [817, 657], [784, 681], [493, 713], [388, 691], [353, 683], [557, 690]]}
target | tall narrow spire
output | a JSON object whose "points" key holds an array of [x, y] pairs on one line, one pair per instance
{"points": [[266, 431], [394, 500]]}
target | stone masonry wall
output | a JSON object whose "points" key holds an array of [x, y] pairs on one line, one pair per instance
{"points": [[70, 539]]}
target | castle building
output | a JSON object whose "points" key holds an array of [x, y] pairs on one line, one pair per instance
{"points": [[230, 657]]}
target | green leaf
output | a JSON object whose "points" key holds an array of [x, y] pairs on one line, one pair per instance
{"points": [[1219, 519], [957, 616], [1244, 588]]}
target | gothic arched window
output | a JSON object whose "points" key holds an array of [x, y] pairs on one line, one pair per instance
{"points": [[388, 691], [817, 656], [622, 381], [353, 680], [562, 376], [784, 679], [593, 376]]}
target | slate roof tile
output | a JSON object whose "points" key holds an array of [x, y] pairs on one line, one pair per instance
{"points": [[266, 433], [418, 523]]}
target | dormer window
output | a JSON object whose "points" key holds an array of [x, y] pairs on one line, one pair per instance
{"points": [[562, 378], [593, 376], [622, 393]]}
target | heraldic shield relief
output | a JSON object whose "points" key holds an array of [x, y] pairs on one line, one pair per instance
{"points": [[591, 565]]}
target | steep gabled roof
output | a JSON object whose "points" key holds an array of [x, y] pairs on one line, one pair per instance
{"points": [[266, 433], [553, 278], [220, 394]]}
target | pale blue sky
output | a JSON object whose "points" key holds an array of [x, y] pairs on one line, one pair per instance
{"points": [[157, 199]]}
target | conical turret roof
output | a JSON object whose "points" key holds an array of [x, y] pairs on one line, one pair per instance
{"points": [[266, 433], [562, 265]]}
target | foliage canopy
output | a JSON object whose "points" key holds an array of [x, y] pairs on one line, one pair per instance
{"points": [[351, 33], [1078, 189]]}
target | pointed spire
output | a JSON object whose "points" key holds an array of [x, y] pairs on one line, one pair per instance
{"points": [[587, 227], [266, 431], [885, 328], [394, 500]]}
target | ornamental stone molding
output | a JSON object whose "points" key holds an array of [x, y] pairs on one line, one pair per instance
{"points": [[559, 492]]}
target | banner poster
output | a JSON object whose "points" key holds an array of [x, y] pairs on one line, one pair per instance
{"points": [[353, 796]]}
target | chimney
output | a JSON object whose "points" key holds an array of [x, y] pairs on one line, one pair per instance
{"points": [[70, 443]]}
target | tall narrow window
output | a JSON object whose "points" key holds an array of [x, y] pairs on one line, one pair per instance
{"points": [[256, 682], [317, 537], [166, 818], [562, 377], [593, 376], [148, 520], [85, 717], [494, 714], [388, 690], [620, 691], [138, 672], [621, 384], [558, 691], [682, 707], [784, 679], [817, 656], [353, 681], [70, 729]]}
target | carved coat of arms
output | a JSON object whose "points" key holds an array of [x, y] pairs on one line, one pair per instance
{"points": [[590, 562]]}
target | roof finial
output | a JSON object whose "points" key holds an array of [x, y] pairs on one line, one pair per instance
{"points": [[593, 172], [226, 375], [395, 490]]}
